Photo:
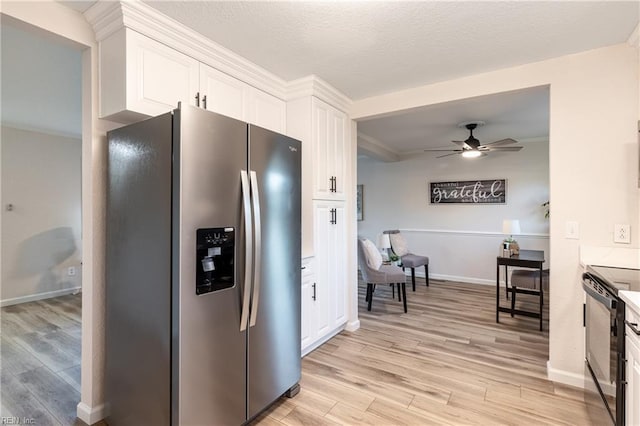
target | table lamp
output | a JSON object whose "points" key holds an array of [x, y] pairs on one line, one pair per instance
{"points": [[511, 227], [385, 244]]}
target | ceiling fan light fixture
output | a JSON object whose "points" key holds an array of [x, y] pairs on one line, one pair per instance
{"points": [[471, 153]]}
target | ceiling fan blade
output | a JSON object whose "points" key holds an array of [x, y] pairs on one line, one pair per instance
{"points": [[501, 148], [459, 143], [506, 141], [446, 155], [442, 149]]}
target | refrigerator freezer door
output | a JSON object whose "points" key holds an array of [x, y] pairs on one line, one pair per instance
{"points": [[138, 271], [209, 349], [274, 340]]}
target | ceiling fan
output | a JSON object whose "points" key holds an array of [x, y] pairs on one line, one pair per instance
{"points": [[471, 147]]}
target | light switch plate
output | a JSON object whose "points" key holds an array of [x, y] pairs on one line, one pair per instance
{"points": [[622, 234], [572, 230]]}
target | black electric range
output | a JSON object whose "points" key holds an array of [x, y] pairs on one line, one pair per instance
{"points": [[615, 279], [604, 340]]}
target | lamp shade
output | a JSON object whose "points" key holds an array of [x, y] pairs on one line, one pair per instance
{"points": [[511, 226], [384, 241]]}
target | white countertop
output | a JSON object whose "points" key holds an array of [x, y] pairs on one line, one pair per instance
{"points": [[617, 257], [631, 298]]}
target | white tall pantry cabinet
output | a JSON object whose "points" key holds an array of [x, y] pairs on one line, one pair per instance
{"points": [[324, 131]]}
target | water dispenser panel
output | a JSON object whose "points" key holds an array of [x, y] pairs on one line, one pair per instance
{"points": [[215, 250]]}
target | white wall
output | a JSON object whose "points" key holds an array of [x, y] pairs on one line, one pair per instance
{"points": [[593, 162], [41, 235], [461, 241], [67, 26]]}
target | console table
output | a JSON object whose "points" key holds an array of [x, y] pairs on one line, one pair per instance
{"points": [[532, 259]]}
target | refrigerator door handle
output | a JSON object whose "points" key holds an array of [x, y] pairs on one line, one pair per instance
{"points": [[246, 211], [255, 198]]}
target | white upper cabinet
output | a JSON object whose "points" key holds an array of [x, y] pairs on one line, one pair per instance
{"points": [[329, 133], [223, 94], [267, 111], [140, 77]]}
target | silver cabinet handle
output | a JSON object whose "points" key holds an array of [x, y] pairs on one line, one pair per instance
{"points": [[255, 198], [248, 261]]}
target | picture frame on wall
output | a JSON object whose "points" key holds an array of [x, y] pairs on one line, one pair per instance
{"points": [[359, 205]]}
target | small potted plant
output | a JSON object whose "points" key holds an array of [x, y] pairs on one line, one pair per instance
{"points": [[394, 258]]}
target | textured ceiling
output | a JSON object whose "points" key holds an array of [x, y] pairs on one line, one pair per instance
{"points": [[367, 48], [41, 82]]}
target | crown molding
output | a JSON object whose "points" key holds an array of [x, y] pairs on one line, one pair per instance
{"points": [[634, 38], [314, 86], [374, 148], [106, 17]]}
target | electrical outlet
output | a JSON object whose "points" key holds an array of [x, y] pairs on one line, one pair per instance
{"points": [[71, 271], [572, 230], [622, 234]]}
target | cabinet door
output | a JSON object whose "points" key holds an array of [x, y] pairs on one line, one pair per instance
{"points": [[324, 254], [632, 402], [330, 134], [158, 77], [223, 94], [322, 152], [308, 332], [330, 238], [339, 146], [267, 111], [338, 281]]}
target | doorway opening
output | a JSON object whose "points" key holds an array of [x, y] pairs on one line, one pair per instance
{"points": [[41, 215]]}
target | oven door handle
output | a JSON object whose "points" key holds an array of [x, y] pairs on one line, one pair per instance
{"points": [[606, 301], [633, 326]]}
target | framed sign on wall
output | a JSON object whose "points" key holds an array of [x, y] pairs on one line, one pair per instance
{"points": [[488, 191]]}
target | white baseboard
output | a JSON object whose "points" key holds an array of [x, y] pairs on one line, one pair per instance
{"points": [[470, 280], [353, 325], [566, 377], [324, 339], [90, 415], [39, 296]]}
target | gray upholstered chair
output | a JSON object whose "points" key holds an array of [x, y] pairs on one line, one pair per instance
{"points": [[385, 274], [409, 260]]}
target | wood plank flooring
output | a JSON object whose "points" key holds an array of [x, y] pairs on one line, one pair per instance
{"points": [[40, 361], [445, 362]]}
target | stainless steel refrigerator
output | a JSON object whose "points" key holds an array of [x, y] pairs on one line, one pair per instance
{"points": [[202, 270]]}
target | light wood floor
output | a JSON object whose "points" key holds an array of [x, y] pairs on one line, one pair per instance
{"points": [[40, 361], [445, 362]]}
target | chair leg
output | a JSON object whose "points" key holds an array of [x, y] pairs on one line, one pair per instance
{"points": [[513, 299], [393, 292], [399, 294], [426, 274], [370, 293], [404, 297], [413, 278]]}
